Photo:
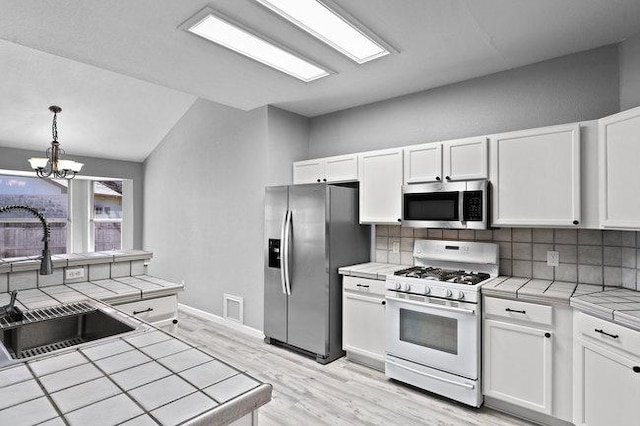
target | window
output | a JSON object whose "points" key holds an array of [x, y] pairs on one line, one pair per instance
{"points": [[84, 214], [21, 232], [107, 215]]}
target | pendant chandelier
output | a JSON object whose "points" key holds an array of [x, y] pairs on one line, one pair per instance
{"points": [[53, 165]]}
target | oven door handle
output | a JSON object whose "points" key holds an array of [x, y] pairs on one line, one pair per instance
{"points": [[433, 305], [442, 379]]}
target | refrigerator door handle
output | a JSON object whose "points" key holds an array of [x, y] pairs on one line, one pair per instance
{"points": [[283, 252], [287, 238]]}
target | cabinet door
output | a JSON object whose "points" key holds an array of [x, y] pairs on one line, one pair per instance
{"points": [[517, 365], [423, 163], [536, 177], [465, 159], [380, 186], [606, 387], [341, 169], [310, 171], [619, 151], [363, 325]]}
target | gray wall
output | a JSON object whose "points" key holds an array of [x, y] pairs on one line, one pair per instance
{"points": [[16, 159], [288, 141], [630, 73], [583, 86]]}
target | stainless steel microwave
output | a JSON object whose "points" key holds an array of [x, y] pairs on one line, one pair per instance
{"points": [[450, 205]]}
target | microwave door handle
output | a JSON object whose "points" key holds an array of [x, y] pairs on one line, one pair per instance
{"points": [[287, 238], [461, 217], [283, 252]]}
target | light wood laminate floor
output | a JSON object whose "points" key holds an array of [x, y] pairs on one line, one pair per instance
{"points": [[340, 393]]}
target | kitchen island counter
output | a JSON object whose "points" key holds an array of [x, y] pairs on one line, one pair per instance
{"points": [[145, 376]]}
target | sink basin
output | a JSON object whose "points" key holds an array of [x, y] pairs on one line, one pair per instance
{"points": [[49, 329]]}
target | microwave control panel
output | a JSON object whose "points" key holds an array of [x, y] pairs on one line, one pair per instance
{"points": [[472, 206]]}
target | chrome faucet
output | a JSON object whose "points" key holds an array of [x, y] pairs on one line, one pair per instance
{"points": [[10, 312], [46, 264]]}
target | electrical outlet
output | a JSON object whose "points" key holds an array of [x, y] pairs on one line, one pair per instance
{"points": [[73, 273], [395, 247], [553, 258]]}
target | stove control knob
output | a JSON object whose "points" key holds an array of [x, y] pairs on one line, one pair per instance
{"points": [[397, 286], [407, 287], [447, 293], [460, 295], [427, 290]]}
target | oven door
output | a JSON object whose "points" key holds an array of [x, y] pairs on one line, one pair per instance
{"points": [[433, 332]]}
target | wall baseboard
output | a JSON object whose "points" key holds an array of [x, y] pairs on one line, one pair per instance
{"points": [[250, 331]]}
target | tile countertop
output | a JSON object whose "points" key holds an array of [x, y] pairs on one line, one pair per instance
{"points": [[615, 304], [371, 270], [143, 377], [114, 291]]}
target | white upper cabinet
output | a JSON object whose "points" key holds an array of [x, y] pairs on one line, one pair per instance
{"points": [[342, 168], [461, 159], [535, 176], [619, 152], [465, 159], [308, 171], [423, 163], [380, 175]]}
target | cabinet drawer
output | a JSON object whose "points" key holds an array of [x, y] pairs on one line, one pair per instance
{"points": [[523, 311], [363, 285], [152, 310], [617, 336]]}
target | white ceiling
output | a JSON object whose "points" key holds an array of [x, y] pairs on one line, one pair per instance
{"points": [[439, 42]]}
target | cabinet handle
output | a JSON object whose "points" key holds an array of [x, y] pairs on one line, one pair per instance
{"points": [[613, 336], [437, 177], [547, 335], [515, 310], [575, 222], [384, 302], [447, 177], [141, 312], [318, 180], [363, 285], [399, 220], [636, 369], [324, 180]]}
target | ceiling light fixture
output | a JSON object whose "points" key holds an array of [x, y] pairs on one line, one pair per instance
{"points": [[53, 165], [212, 27], [333, 28]]}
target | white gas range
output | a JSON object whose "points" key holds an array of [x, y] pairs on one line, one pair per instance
{"points": [[433, 318]]}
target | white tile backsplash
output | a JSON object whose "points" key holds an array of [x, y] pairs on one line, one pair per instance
{"points": [[587, 256]]}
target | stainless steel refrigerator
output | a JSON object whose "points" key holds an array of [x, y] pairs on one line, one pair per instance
{"points": [[310, 232]]}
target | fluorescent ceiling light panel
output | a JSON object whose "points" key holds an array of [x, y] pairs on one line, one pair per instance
{"points": [[219, 31], [320, 21]]}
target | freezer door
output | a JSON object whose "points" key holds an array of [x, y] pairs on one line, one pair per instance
{"points": [[308, 315], [275, 298]]}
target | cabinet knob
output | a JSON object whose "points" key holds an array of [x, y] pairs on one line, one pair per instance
{"points": [[547, 335], [447, 177], [575, 222], [318, 180], [399, 220], [324, 180], [636, 369], [437, 177], [384, 302]]}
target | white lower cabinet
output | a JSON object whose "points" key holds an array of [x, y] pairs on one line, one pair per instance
{"points": [[518, 364], [363, 326], [606, 373], [152, 310], [527, 358]]}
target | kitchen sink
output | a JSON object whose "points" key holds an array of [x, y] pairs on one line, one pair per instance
{"points": [[49, 329]]}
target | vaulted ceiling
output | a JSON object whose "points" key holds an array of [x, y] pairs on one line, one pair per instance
{"points": [[128, 73]]}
